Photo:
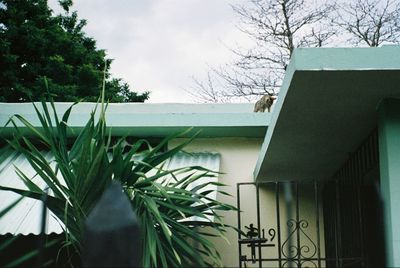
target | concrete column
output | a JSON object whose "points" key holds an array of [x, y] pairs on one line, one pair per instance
{"points": [[389, 159]]}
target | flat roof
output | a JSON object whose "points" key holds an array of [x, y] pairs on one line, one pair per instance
{"points": [[326, 107], [155, 120]]}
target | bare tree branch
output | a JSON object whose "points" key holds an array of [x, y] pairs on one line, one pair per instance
{"points": [[370, 22], [207, 91], [277, 27]]}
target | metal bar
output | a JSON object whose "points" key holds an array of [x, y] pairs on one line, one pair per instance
{"points": [[298, 225], [239, 223], [370, 157], [258, 223], [246, 183], [338, 229], [278, 222], [376, 153], [335, 214], [376, 146], [361, 226], [353, 168], [359, 169], [317, 221], [313, 259], [363, 164]]}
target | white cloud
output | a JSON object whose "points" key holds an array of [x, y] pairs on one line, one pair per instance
{"points": [[158, 45]]}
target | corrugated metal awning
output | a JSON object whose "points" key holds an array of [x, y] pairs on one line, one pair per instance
{"points": [[209, 161], [25, 218]]}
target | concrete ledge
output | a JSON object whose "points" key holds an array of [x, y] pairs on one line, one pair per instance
{"points": [[154, 120], [326, 107]]}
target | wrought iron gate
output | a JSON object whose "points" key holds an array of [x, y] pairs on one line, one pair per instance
{"points": [[295, 235], [353, 210], [336, 223], [293, 238]]}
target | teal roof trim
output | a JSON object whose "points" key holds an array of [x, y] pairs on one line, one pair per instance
{"points": [[330, 59], [156, 120], [326, 107]]}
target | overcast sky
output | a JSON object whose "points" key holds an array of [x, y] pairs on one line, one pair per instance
{"points": [[158, 45]]}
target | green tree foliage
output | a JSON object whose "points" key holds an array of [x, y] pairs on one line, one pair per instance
{"points": [[35, 44]]}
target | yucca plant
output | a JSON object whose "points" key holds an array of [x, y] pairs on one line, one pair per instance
{"points": [[173, 216]]}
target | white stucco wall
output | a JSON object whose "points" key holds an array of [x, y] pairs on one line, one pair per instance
{"points": [[238, 159]]}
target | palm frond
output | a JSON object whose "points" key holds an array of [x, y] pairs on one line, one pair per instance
{"points": [[171, 212]]}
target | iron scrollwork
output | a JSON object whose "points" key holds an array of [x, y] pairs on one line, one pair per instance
{"points": [[303, 247]]}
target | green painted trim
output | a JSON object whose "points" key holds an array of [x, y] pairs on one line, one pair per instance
{"points": [[290, 70], [321, 87], [156, 120], [363, 58], [389, 157]]}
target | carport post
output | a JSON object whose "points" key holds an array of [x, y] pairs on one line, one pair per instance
{"points": [[389, 161]]}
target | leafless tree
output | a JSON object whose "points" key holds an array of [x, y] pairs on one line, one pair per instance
{"points": [[206, 90], [370, 22], [277, 27]]}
